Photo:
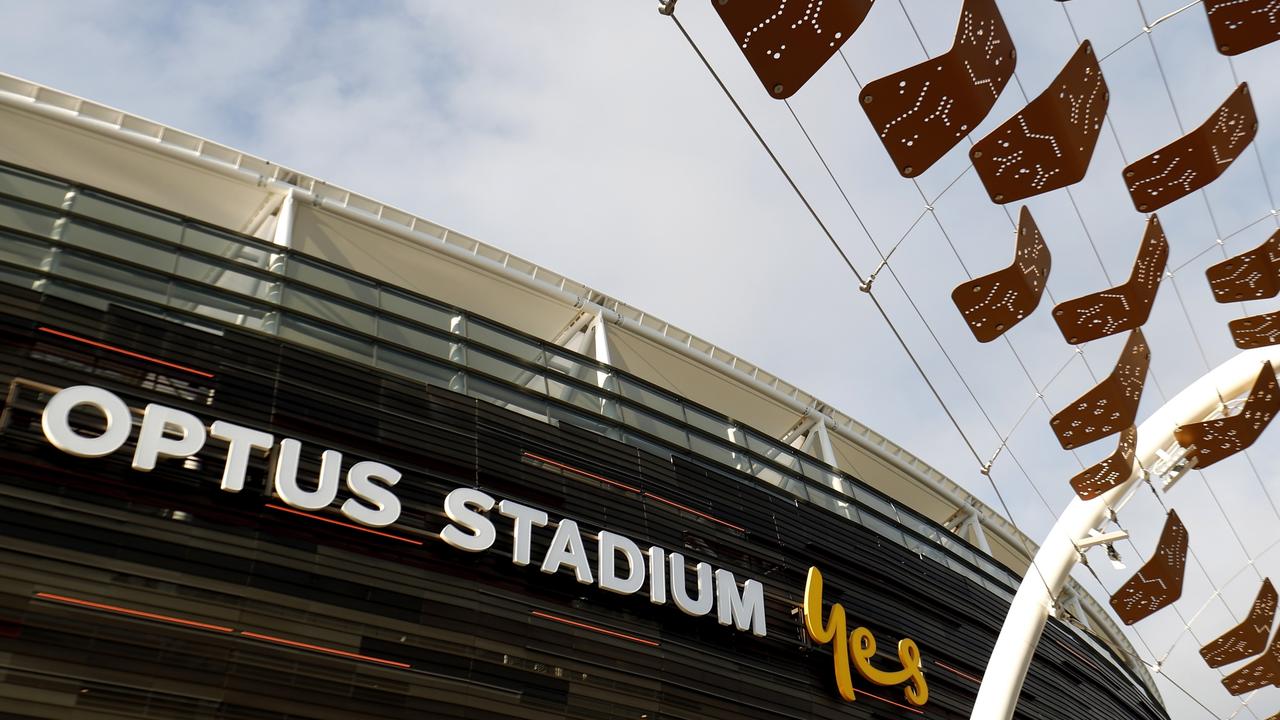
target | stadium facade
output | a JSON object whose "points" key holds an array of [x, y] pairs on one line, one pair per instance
{"points": [[273, 449]]}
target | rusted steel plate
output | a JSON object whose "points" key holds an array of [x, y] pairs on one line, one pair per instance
{"points": [[1241, 25], [1260, 673], [1049, 143], [1256, 330], [1249, 637], [994, 303], [787, 42], [1253, 275], [1112, 405], [922, 112], [1219, 439], [1123, 307], [1195, 159], [1117, 468], [1159, 583]]}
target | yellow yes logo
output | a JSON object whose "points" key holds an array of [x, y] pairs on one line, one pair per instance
{"points": [[859, 646]]}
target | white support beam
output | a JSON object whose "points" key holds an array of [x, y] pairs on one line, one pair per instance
{"points": [[1044, 580]]}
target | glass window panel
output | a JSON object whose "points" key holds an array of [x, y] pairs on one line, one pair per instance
{"points": [[880, 527], [25, 252], [417, 338], [654, 425], [323, 337], [27, 218], [335, 281], [877, 503], [935, 553], [771, 450], [127, 215], [228, 247], [647, 445], [565, 415], [588, 371], [328, 309], [570, 393], [119, 245], [419, 368], [110, 276], [715, 451], [506, 370], [31, 187], [227, 308], [832, 503], [499, 339], [507, 397], [717, 427], [228, 277], [650, 399], [423, 311]]}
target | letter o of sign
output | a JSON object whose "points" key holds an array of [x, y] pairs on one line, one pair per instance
{"points": [[56, 421]]}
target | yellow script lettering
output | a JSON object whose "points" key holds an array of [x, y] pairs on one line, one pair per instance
{"points": [[859, 646]]}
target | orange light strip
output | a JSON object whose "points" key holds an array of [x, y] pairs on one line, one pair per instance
{"points": [[122, 351], [635, 490], [594, 628], [584, 473], [700, 514], [1073, 651], [132, 613], [323, 649], [961, 673], [331, 521], [886, 700]]}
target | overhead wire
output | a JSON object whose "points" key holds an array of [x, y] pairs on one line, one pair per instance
{"points": [[929, 209]]}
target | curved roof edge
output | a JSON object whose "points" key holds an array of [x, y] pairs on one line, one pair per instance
{"points": [[280, 182]]}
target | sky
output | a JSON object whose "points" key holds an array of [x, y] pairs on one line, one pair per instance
{"points": [[586, 136]]}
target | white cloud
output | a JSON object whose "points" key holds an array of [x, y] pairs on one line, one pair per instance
{"points": [[588, 138]]}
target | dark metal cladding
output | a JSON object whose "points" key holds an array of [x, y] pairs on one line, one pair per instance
{"points": [[1049, 143], [787, 42], [1219, 439], [1112, 405], [1159, 583], [1124, 307], [1195, 159], [1256, 331], [1254, 275], [993, 303], [1249, 637], [1112, 471], [1241, 25], [922, 112]]}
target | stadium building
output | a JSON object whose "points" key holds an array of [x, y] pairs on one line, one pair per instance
{"points": [[273, 449]]}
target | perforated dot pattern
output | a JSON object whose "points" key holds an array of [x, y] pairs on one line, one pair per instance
{"points": [[1049, 143]]}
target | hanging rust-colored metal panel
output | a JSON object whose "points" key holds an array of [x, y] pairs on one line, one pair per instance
{"points": [[1159, 583], [1219, 439], [1124, 307], [922, 112], [1254, 275], [1242, 25], [1256, 331], [1260, 673], [994, 303], [787, 42], [1049, 143], [1249, 637], [1195, 159], [1110, 472], [1112, 405]]}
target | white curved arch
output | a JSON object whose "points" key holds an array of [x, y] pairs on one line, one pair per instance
{"points": [[1007, 668]]}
